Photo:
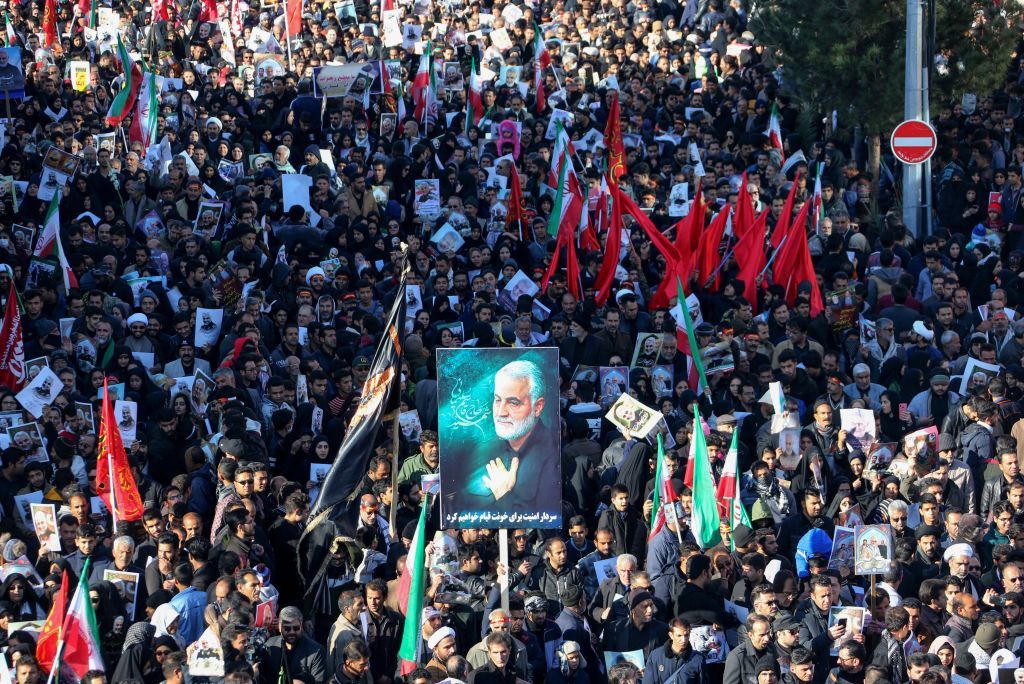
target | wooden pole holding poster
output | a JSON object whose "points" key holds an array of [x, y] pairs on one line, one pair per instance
{"points": [[393, 508], [503, 559], [872, 598]]}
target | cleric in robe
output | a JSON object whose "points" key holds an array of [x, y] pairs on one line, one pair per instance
{"points": [[509, 471]]}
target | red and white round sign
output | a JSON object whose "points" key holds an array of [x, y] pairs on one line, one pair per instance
{"points": [[913, 141]]}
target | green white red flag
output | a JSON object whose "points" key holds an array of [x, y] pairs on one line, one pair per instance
{"points": [[410, 596], [81, 636], [704, 518], [124, 102]]}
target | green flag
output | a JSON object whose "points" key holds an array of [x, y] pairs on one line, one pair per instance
{"points": [[704, 520], [410, 591]]}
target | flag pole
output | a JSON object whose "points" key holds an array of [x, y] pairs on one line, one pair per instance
{"points": [[56, 659], [503, 559], [393, 511], [774, 254], [287, 38]]}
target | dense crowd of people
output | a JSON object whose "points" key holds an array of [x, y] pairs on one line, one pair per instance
{"points": [[237, 323]]}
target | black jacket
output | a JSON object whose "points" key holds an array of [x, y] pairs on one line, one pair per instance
{"points": [[814, 636], [628, 530], [703, 607], [306, 658], [489, 674], [796, 526], [995, 490], [624, 636]]}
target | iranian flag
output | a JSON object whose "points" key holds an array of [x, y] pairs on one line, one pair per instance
{"points": [[567, 213], [52, 227], [774, 132], [663, 493], [695, 376], [704, 518], [12, 347], [46, 246], [123, 103], [423, 86], [541, 61], [144, 123], [475, 97], [819, 207], [729, 490], [80, 634], [563, 178], [410, 596], [11, 35], [46, 646]]}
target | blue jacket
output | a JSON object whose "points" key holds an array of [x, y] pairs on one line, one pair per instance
{"points": [[664, 665], [190, 605], [203, 491]]}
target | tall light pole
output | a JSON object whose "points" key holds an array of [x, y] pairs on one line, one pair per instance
{"points": [[913, 109]]}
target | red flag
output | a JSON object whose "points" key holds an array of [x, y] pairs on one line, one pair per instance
{"points": [[744, 216], [613, 142], [209, 11], [46, 646], [782, 225], [50, 23], [12, 348], [517, 222], [690, 228], [794, 266], [566, 239], [606, 275], [293, 16], [114, 480], [707, 254], [750, 255], [160, 10]]}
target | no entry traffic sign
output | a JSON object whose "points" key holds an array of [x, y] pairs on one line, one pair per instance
{"points": [[913, 141]]}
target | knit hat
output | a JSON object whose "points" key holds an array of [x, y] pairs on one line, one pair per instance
{"points": [[742, 535], [638, 596], [766, 664], [760, 512], [570, 595], [987, 636], [978, 233], [996, 207], [947, 442]]}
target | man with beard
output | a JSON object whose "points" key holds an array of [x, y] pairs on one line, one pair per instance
{"points": [[927, 559], [676, 660], [960, 627], [741, 665], [932, 405], [797, 525], [522, 463], [814, 630], [852, 658], [294, 654]]}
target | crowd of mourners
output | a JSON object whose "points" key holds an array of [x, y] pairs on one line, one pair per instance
{"points": [[227, 473]]}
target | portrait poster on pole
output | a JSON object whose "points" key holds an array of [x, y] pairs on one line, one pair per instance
{"points": [[499, 439]]}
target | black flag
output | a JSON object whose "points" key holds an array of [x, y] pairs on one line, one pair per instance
{"points": [[333, 512]]}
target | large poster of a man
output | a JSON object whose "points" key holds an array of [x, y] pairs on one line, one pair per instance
{"points": [[499, 438]]}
